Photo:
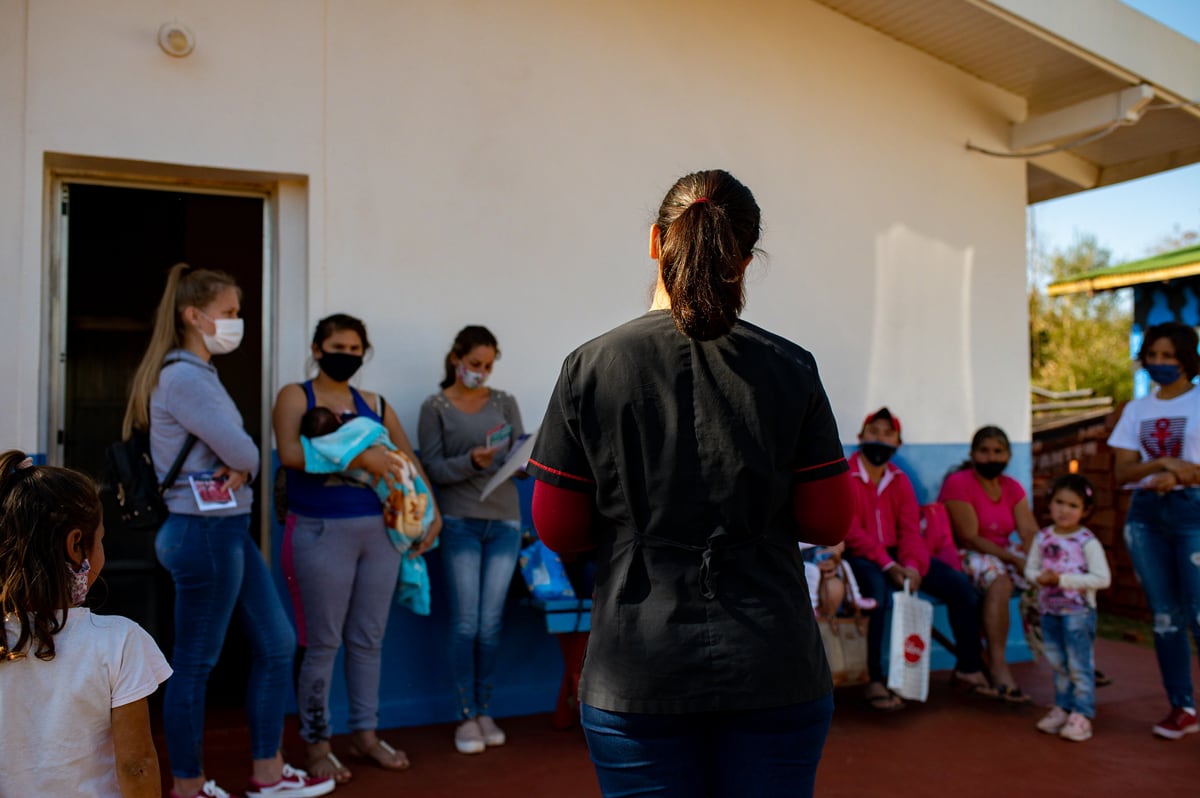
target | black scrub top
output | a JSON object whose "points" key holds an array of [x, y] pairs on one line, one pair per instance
{"points": [[690, 450]]}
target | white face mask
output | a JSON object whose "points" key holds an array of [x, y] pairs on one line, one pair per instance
{"points": [[471, 379], [227, 337]]}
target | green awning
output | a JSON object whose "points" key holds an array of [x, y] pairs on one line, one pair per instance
{"points": [[1167, 266]]}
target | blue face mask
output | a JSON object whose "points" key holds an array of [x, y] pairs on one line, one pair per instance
{"points": [[1164, 373]]}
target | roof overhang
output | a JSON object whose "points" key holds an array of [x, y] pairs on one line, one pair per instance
{"points": [[1087, 69], [1156, 269]]}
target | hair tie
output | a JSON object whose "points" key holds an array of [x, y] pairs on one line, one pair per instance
{"points": [[698, 200]]}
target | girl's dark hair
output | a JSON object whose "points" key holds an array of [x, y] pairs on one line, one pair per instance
{"points": [[468, 338], [708, 225], [1078, 485], [1185, 340], [336, 323], [39, 507], [988, 433]]}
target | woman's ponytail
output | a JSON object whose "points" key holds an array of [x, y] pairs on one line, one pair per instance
{"points": [[708, 225], [186, 287]]}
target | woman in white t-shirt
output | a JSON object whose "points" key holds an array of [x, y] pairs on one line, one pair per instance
{"points": [[73, 685], [1156, 447]]}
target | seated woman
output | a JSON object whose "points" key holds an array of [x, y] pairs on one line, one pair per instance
{"points": [[985, 508], [885, 548]]}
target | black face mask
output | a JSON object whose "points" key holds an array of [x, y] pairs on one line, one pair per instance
{"points": [[339, 366], [990, 470], [876, 453]]}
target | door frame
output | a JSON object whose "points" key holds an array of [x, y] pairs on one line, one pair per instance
{"points": [[285, 222]]}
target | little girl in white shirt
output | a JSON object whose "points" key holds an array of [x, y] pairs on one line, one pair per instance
{"points": [[73, 685]]}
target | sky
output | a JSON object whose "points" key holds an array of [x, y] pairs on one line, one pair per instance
{"points": [[1130, 218]]}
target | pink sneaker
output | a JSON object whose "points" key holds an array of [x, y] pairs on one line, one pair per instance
{"points": [[1054, 721], [1181, 721], [293, 784], [1077, 728]]}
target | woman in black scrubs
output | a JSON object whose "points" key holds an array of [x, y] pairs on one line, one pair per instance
{"points": [[691, 450]]}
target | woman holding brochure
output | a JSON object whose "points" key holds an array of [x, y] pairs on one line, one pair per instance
{"points": [[205, 543], [465, 432]]}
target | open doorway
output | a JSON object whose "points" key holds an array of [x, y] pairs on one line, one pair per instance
{"points": [[120, 243]]}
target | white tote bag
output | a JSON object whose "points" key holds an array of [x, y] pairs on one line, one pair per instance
{"points": [[912, 625]]}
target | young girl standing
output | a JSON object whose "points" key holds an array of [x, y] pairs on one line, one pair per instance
{"points": [[73, 685], [1067, 563]]}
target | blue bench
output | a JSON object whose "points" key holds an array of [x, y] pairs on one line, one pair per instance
{"points": [[564, 615]]}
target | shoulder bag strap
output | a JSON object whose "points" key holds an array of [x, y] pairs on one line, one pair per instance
{"points": [[177, 466]]}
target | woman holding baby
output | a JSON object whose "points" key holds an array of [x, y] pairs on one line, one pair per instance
{"points": [[340, 564], [465, 432]]}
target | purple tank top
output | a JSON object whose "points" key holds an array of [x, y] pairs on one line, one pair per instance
{"points": [[330, 495]]}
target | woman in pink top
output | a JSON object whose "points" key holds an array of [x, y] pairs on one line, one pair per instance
{"points": [[985, 508]]}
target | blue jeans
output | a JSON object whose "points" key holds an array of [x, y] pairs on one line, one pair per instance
{"points": [[217, 569], [943, 583], [480, 558], [1068, 642], [762, 753], [1162, 534]]}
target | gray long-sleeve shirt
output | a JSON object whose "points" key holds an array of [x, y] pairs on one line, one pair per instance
{"points": [[189, 397], [446, 436]]}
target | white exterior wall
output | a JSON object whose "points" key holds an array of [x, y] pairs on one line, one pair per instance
{"points": [[468, 162]]}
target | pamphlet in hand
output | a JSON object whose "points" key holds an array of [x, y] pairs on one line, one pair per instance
{"points": [[516, 461], [211, 492], [498, 437]]}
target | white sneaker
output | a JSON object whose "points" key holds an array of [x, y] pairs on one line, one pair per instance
{"points": [[493, 735], [209, 790], [468, 737], [1054, 721], [292, 784], [1077, 728]]}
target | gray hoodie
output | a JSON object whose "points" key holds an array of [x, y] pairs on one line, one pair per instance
{"points": [[189, 397]]}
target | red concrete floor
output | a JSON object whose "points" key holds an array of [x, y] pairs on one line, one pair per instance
{"points": [[954, 745]]}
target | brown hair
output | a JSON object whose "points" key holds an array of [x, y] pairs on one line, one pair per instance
{"points": [[1184, 339], [336, 323], [186, 287], [708, 226], [39, 507], [468, 338]]}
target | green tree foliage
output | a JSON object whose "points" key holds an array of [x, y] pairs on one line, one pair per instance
{"points": [[1078, 341]]}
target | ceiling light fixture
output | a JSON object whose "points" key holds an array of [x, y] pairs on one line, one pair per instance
{"points": [[176, 40]]}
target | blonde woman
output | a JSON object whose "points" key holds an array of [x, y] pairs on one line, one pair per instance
{"points": [[215, 564]]}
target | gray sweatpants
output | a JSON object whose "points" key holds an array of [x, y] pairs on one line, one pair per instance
{"points": [[345, 572]]}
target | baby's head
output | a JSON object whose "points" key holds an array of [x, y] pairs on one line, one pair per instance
{"points": [[318, 421]]}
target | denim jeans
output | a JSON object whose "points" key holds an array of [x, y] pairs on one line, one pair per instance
{"points": [[1068, 642], [480, 558], [217, 570], [1162, 534], [764, 753], [943, 583]]}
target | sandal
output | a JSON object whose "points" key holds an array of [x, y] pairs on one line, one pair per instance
{"points": [[383, 755], [1012, 695], [887, 702], [981, 689], [328, 766]]}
